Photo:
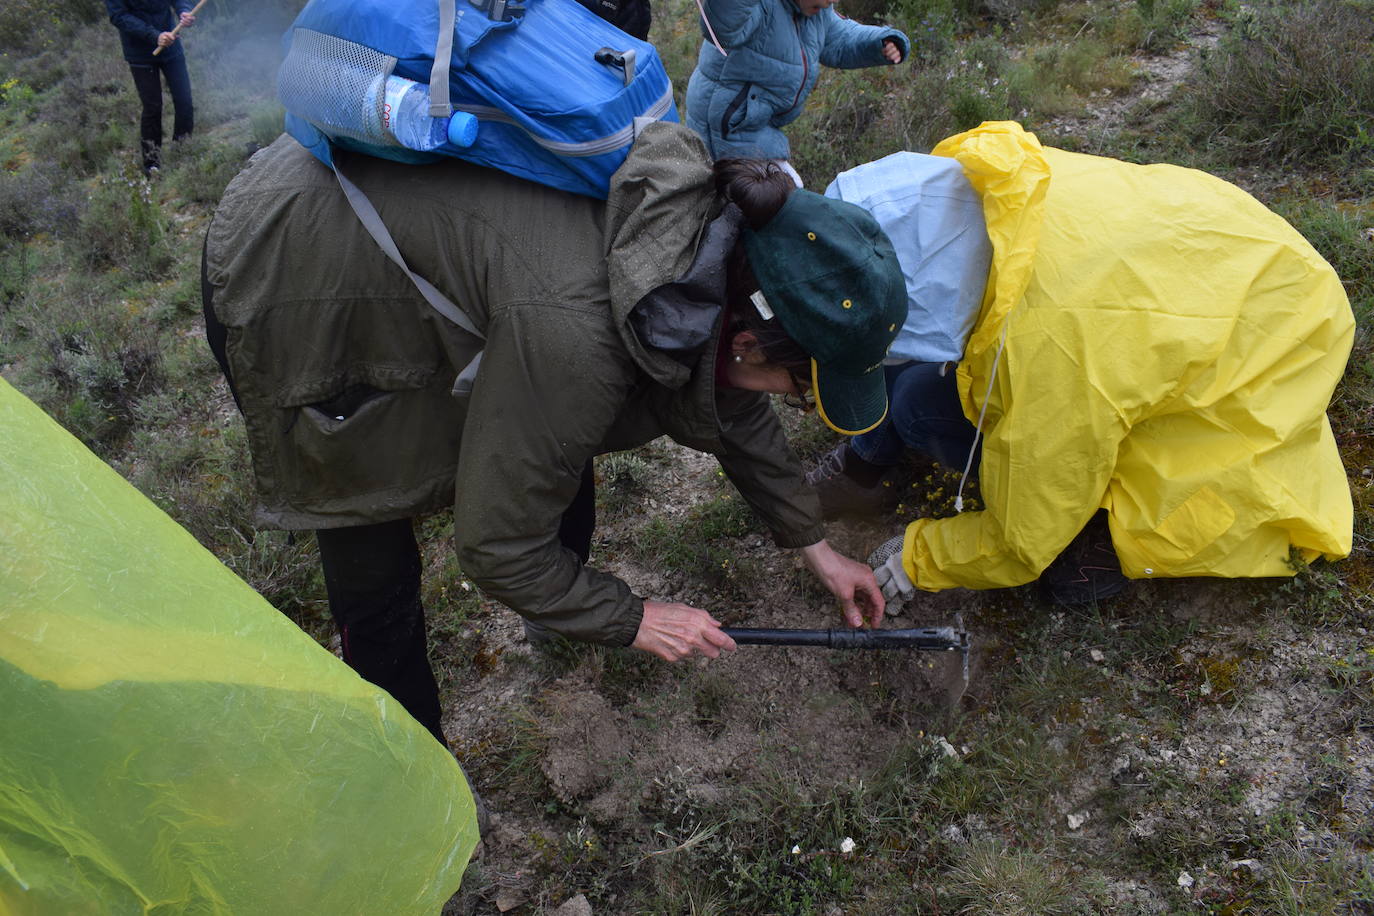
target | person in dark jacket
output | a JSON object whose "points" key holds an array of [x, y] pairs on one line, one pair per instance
{"points": [[146, 31], [604, 325]]}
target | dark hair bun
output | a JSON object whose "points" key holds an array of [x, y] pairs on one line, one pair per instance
{"points": [[759, 187]]}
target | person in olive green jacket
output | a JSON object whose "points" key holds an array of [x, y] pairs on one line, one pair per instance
{"points": [[606, 324]]}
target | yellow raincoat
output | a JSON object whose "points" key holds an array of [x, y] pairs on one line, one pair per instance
{"points": [[1154, 342]]}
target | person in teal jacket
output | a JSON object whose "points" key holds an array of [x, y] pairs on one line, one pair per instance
{"points": [[760, 60]]}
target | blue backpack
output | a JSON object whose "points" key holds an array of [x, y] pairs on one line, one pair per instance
{"points": [[555, 89]]}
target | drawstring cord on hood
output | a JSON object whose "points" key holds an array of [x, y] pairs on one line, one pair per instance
{"points": [[710, 31], [978, 429]]}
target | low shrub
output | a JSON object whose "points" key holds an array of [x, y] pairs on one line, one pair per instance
{"points": [[36, 200], [93, 112], [265, 122], [843, 124], [32, 25], [84, 354], [199, 169], [15, 274], [1293, 81], [17, 100], [40, 72], [1081, 67], [1154, 25], [123, 227]]}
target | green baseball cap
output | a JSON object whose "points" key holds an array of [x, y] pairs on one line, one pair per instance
{"points": [[831, 276]]}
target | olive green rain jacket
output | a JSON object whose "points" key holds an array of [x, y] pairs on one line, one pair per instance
{"points": [[1155, 342], [345, 373]]}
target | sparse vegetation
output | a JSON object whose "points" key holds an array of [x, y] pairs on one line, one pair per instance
{"points": [[1293, 80], [1195, 746]]}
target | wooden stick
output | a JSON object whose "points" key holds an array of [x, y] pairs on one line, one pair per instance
{"points": [[177, 28]]}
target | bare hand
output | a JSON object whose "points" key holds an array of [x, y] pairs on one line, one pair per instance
{"points": [[891, 51], [675, 631], [187, 19], [165, 38], [848, 580]]}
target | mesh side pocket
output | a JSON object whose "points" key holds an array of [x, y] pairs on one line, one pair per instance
{"points": [[337, 85]]}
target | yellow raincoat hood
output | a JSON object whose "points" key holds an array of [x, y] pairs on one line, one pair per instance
{"points": [[1168, 348]]}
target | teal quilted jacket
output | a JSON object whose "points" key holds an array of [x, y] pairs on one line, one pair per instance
{"points": [[738, 101]]}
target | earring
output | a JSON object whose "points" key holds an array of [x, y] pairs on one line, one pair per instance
{"points": [[738, 358]]}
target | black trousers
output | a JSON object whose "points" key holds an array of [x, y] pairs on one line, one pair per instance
{"points": [[148, 81], [372, 578]]}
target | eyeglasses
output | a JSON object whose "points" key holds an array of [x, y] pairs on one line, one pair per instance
{"points": [[800, 397]]}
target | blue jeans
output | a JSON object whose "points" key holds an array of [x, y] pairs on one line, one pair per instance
{"points": [[923, 414]]}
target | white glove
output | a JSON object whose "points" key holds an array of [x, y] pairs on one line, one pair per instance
{"points": [[887, 569]]}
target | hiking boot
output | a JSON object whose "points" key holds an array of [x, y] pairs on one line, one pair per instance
{"points": [[840, 493], [1088, 570], [152, 159]]}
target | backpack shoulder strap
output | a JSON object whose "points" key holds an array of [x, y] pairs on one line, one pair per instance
{"points": [[372, 222], [439, 105]]}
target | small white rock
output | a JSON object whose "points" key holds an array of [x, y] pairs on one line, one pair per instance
{"points": [[847, 845], [796, 850], [1097, 656], [1077, 820], [1185, 879], [945, 746]]}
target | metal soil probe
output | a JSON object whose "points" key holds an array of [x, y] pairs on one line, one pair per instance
{"points": [[930, 639]]}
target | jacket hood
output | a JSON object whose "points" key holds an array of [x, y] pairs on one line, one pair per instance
{"points": [[660, 202]]}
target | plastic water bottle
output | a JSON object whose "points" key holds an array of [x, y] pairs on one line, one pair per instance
{"points": [[403, 117]]}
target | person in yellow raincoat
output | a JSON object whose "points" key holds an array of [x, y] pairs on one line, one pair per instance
{"points": [[1154, 343]]}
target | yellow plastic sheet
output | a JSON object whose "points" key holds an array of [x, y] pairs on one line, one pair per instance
{"points": [[169, 742]]}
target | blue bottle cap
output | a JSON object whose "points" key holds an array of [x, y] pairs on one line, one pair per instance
{"points": [[462, 129]]}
